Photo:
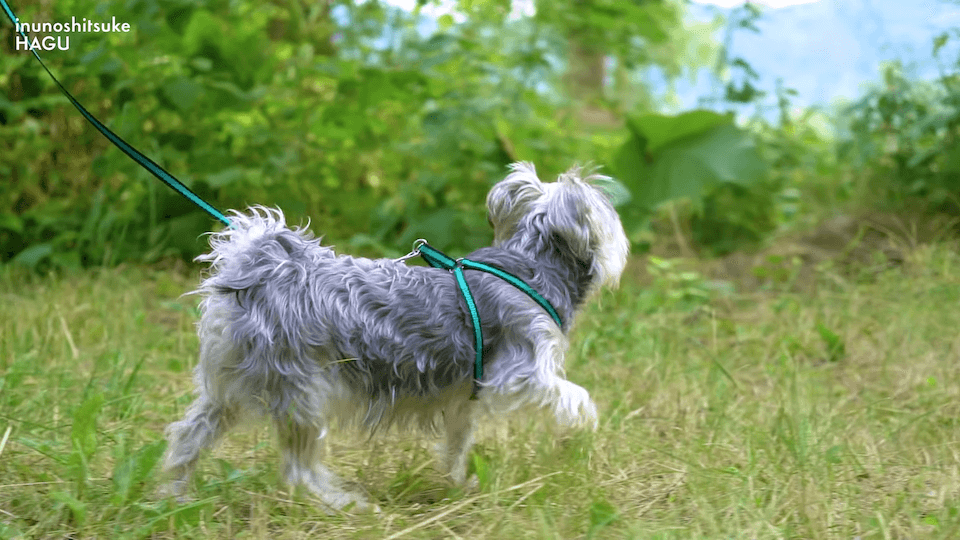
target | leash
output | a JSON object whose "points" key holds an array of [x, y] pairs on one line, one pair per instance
{"points": [[438, 259], [126, 148]]}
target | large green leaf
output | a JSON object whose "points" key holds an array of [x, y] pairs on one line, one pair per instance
{"points": [[660, 130], [669, 158]]}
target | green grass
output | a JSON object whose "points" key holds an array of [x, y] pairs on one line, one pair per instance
{"points": [[830, 414]]}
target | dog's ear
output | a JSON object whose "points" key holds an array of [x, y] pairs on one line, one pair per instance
{"points": [[568, 219], [584, 225], [612, 190], [583, 216], [512, 197]]}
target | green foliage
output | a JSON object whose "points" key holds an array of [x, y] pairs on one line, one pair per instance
{"points": [[679, 157], [740, 75], [906, 133], [836, 350], [83, 435], [631, 31], [342, 112], [602, 514], [703, 157], [807, 178], [678, 288], [733, 216], [132, 470]]}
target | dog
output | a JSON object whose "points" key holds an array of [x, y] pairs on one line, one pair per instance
{"points": [[294, 332]]}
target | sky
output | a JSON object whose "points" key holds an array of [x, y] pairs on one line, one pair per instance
{"points": [[773, 4], [445, 7], [526, 6]]}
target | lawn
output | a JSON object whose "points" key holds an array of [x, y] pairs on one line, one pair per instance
{"points": [[827, 413]]}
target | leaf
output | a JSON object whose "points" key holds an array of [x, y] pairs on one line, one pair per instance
{"points": [[835, 346], [183, 233], [31, 256], [78, 509], [445, 21], [702, 155], [11, 222], [11, 531], [93, 217], [482, 469], [441, 227], [182, 514], [135, 469], [613, 190], [83, 434], [204, 30], [660, 130], [939, 42], [834, 455], [602, 513], [746, 67], [183, 93], [226, 177]]}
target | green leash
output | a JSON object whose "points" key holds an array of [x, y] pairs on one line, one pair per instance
{"points": [[438, 259], [125, 147]]}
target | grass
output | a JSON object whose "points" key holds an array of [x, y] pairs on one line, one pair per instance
{"points": [[826, 414]]}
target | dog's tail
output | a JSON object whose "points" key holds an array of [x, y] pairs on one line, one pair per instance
{"points": [[244, 236], [259, 269], [258, 246]]}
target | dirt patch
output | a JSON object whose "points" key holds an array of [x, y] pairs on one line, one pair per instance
{"points": [[849, 245]]}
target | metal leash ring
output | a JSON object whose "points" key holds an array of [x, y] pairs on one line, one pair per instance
{"points": [[416, 250]]}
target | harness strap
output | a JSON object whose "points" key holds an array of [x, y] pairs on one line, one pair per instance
{"points": [[518, 283], [477, 330], [438, 259], [125, 147]]}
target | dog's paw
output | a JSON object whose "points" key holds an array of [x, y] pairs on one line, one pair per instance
{"points": [[574, 407], [176, 490], [453, 466], [471, 484], [351, 502], [590, 415], [361, 506]]}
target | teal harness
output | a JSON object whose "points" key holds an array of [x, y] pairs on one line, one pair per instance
{"points": [[438, 259]]}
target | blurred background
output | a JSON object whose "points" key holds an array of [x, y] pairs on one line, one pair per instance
{"points": [[733, 125]]}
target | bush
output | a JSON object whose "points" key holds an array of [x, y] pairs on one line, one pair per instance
{"points": [[345, 114], [905, 134]]}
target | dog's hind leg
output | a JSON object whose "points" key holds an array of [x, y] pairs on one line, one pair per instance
{"points": [[204, 424], [300, 446], [459, 423]]}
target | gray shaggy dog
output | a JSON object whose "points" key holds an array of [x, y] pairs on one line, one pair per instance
{"points": [[292, 331]]}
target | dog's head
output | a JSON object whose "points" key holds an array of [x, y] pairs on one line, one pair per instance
{"points": [[571, 217]]}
